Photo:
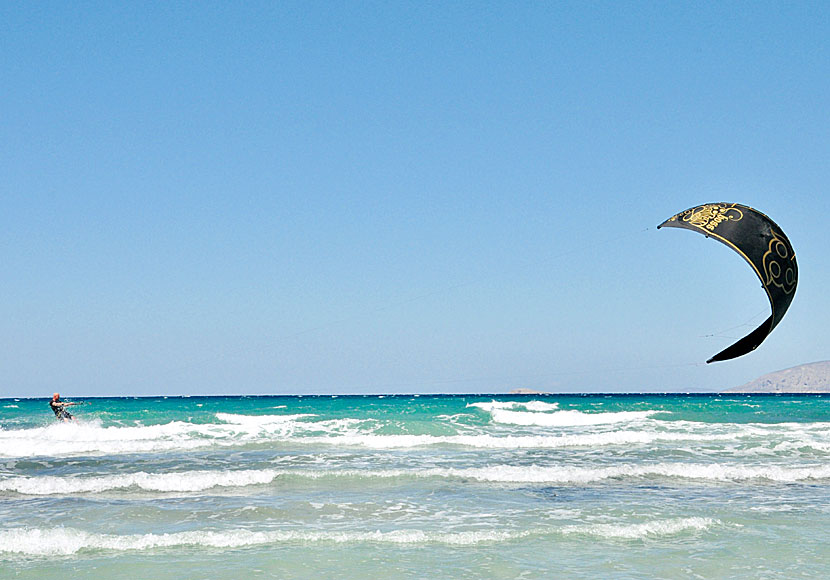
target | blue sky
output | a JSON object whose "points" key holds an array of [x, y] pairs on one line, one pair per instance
{"points": [[306, 197]]}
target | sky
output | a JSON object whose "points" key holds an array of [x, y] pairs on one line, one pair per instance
{"points": [[402, 197]]}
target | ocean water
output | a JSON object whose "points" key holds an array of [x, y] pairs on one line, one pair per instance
{"points": [[597, 486]]}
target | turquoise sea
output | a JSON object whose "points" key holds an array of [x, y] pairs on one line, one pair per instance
{"points": [[477, 486]]}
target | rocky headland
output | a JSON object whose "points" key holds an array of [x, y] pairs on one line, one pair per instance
{"points": [[806, 378]]}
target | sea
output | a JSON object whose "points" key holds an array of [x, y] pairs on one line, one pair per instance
{"points": [[408, 486]]}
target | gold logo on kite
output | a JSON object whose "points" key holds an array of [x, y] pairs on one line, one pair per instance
{"points": [[778, 269], [710, 216]]}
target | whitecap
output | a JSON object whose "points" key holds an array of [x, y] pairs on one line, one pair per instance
{"points": [[568, 418], [188, 481], [548, 414], [485, 441], [90, 437], [637, 531], [259, 420], [69, 541], [584, 475], [537, 406]]}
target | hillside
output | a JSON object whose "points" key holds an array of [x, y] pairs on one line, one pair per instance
{"points": [[807, 378]]}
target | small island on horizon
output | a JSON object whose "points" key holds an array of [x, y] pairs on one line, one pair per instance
{"points": [[523, 391]]}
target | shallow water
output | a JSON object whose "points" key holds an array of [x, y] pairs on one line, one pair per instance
{"points": [[613, 486]]}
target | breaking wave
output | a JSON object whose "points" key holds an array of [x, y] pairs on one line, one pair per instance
{"points": [[549, 415], [68, 541], [202, 480], [653, 529], [50, 542], [592, 430], [189, 481]]}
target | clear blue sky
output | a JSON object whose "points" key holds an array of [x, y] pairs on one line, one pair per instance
{"points": [[348, 197]]}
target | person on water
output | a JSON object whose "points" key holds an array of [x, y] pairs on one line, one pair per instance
{"points": [[59, 407]]}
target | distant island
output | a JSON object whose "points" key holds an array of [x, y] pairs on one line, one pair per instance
{"points": [[527, 392], [807, 378]]}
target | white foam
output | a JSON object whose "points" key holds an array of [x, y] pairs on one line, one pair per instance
{"points": [[260, 420], [538, 406], [68, 541], [67, 438], [586, 475], [90, 437], [518, 442], [549, 415], [568, 418], [577, 429], [541, 406], [201, 480], [583, 475], [188, 481], [290, 425], [652, 529]]}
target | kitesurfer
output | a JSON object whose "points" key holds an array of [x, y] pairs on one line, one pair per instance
{"points": [[59, 407]]}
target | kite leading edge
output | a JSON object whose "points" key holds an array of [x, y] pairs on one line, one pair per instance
{"points": [[763, 244]]}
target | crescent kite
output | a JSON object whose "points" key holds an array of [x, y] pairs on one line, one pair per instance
{"points": [[761, 243]]}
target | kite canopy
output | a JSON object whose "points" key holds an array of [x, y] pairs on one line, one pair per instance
{"points": [[762, 243]]}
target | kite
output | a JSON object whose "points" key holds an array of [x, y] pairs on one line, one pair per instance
{"points": [[761, 243]]}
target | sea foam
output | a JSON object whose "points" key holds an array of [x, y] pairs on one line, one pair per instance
{"points": [[188, 481], [202, 480], [68, 541], [62, 439], [549, 415], [546, 428], [651, 529], [50, 542]]}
